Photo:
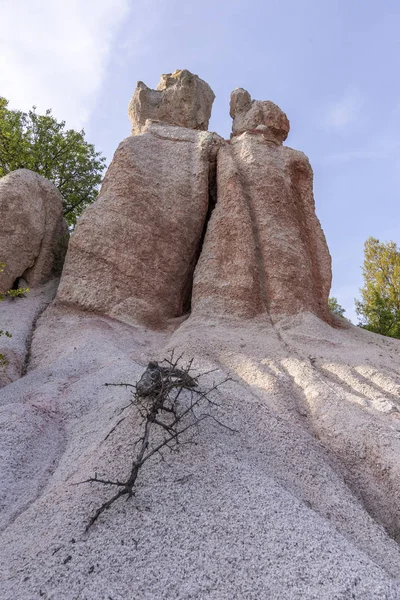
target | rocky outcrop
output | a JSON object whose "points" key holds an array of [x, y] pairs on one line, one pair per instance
{"points": [[181, 98], [227, 278], [291, 482], [33, 233], [264, 250], [18, 316], [134, 250]]}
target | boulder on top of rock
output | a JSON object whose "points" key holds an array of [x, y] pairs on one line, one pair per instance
{"points": [[180, 98], [262, 116], [33, 232], [264, 250]]}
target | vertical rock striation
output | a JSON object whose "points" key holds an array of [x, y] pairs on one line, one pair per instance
{"points": [[134, 251]]}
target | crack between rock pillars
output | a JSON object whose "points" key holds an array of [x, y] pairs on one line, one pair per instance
{"points": [[212, 201]]}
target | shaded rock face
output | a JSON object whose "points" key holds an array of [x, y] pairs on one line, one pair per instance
{"points": [[264, 250], [181, 98], [133, 252], [33, 232]]}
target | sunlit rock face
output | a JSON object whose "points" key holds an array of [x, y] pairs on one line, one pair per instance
{"points": [[33, 232], [264, 250], [255, 115], [134, 250], [173, 198], [180, 98]]}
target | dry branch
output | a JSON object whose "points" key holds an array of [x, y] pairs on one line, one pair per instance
{"points": [[168, 400]]}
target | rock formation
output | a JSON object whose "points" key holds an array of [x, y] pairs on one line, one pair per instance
{"points": [[259, 116], [33, 233], [264, 250], [181, 98], [299, 497], [133, 252]]}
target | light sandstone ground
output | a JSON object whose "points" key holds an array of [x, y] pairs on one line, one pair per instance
{"points": [[18, 316], [33, 232], [279, 509]]}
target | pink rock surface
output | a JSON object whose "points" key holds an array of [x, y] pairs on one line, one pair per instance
{"points": [[33, 233], [298, 495], [264, 250], [181, 98], [133, 252]]}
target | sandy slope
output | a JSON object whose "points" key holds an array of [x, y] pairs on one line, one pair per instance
{"points": [[294, 505], [18, 315]]}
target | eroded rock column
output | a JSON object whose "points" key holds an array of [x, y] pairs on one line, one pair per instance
{"points": [[264, 249], [133, 253]]}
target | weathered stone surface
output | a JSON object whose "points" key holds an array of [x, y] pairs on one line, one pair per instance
{"points": [[299, 496], [181, 98], [264, 249], [308, 506], [261, 116], [226, 279], [133, 252], [18, 316], [33, 233]]}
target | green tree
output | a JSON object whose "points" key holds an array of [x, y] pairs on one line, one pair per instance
{"points": [[42, 144], [379, 307], [335, 307]]}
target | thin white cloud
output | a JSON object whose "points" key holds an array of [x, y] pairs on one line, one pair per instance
{"points": [[343, 112], [54, 53], [385, 148]]}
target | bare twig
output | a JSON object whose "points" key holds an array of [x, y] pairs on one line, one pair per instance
{"points": [[167, 399]]}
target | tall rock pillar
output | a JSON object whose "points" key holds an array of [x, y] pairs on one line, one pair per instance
{"points": [[134, 250], [264, 250]]}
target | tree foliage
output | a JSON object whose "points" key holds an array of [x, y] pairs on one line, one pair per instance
{"points": [[42, 144], [379, 308], [335, 307]]}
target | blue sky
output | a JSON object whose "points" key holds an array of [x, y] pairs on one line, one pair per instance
{"points": [[331, 65]]}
